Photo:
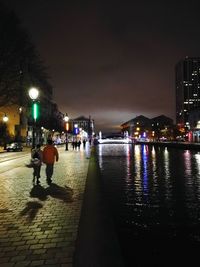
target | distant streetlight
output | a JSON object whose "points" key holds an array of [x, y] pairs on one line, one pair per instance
{"points": [[76, 128], [33, 94], [66, 119], [5, 118], [21, 121]]}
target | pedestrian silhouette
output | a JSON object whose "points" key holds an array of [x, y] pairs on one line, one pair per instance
{"points": [[36, 158], [79, 144], [66, 144], [84, 143], [50, 155], [73, 144]]}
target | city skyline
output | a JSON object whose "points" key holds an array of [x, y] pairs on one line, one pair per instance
{"points": [[113, 61]]}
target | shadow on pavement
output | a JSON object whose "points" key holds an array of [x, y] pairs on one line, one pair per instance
{"points": [[62, 193], [59, 192], [39, 192], [31, 210]]}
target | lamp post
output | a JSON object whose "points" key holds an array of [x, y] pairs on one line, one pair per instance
{"points": [[66, 119], [4, 119], [33, 94]]}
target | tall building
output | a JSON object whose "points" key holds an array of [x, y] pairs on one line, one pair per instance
{"points": [[187, 88]]}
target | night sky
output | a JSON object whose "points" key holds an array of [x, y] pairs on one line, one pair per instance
{"points": [[113, 60]]}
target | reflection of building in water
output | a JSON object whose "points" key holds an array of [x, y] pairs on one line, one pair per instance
{"points": [[166, 176], [137, 165], [197, 163], [145, 181]]}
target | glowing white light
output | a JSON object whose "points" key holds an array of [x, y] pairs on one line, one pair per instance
{"points": [[100, 135], [33, 93], [66, 118], [114, 141], [5, 118]]}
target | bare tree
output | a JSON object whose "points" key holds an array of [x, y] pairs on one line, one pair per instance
{"points": [[20, 63]]}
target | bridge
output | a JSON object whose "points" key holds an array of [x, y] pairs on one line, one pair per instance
{"points": [[115, 139]]}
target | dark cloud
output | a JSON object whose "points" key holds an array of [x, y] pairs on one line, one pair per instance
{"points": [[112, 60]]}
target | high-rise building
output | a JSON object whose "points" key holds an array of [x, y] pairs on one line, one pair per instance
{"points": [[187, 88]]}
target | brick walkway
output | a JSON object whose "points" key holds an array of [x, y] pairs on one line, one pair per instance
{"points": [[38, 224]]}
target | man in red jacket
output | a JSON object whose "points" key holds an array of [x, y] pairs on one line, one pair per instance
{"points": [[50, 154]]}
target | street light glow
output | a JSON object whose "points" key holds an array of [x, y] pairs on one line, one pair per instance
{"points": [[33, 93], [66, 118], [5, 118]]}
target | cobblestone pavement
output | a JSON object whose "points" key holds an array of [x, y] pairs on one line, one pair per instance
{"points": [[39, 224]]}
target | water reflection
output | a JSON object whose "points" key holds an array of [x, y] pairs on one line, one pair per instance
{"points": [[151, 175], [197, 184], [144, 170], [197, 159], [154, 194], [187, 162], [137, 168]]}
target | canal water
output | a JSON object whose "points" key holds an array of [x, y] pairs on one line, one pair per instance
{"points": [[153, 195]]}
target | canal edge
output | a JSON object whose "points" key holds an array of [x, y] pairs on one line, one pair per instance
{"points": [[97, 244]]}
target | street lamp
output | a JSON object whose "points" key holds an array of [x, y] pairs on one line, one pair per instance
{"points": [[4, 119], [66, 119], [33, 94]]}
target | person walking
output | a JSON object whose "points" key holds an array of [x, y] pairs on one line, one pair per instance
{"points": [[73, 144], [66, 143], [36, 157], [79, 144], [84, 143], [50, 155]]}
